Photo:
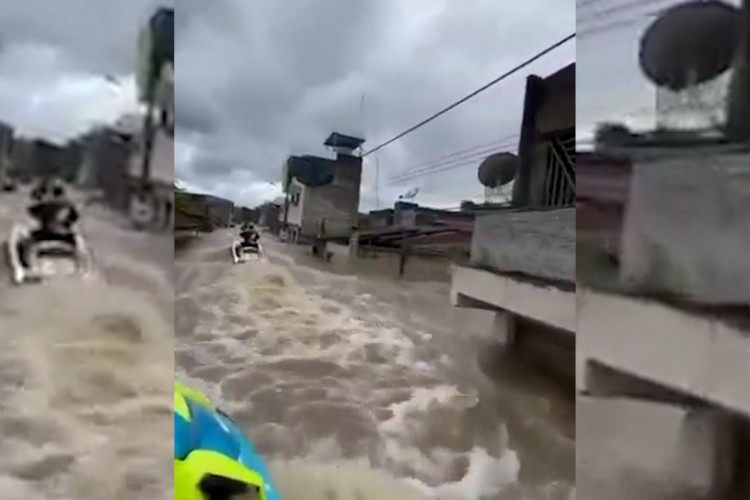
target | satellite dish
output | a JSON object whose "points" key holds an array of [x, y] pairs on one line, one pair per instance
{"points": [[410, 194], [690, 43], [498, 169]]}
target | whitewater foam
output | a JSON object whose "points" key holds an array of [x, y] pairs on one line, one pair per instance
{"points": [[346, 393]]}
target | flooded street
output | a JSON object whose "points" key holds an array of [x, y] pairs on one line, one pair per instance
{"points": [[85, 371], [366, 388]]}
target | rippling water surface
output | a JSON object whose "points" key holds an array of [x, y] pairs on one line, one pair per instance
{"points": [[86, 370], [362, 388]]}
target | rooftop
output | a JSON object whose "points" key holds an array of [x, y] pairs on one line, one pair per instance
{"points": [[336, 140]]}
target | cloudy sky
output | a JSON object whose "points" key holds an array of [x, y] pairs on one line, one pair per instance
{"points": [[56, 56], [260, 80]]}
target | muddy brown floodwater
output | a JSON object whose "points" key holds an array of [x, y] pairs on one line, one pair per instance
{"points": [[358, 387], [86, 371]]}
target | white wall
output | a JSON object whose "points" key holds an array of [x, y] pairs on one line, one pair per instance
{"points": [[294, 212]]}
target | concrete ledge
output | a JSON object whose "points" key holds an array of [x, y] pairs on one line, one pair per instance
{"points": [[699, 355], [546, 304]]}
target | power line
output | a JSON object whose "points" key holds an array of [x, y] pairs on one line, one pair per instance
{"points": [[618, 24], [626, 7], [473, 94], [468, 150], [450, 164], [584, 3], [494, 144], [442, 168]]}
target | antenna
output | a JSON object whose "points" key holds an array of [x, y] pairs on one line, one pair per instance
{"points": [[361, 119], [362, 113], [377, 182]]}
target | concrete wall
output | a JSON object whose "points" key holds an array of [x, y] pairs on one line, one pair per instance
{"points": [[220, 210], [331, 204], [269, 217], [337, 203], [687, 230], [294, 211], [537, 243], [558, 107], [162, 159], [384, 264]]}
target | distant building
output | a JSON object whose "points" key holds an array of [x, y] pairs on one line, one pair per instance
{"points": [[205, 211], [21, 160], [6, 149], [323, 193], [220, 210], [106, 165], [54, 160], [270, 215]]}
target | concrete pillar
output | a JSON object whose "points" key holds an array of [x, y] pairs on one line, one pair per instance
{"points": [[504, 328], [631, 449]]}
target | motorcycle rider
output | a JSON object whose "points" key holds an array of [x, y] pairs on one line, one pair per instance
{"points": [[249, 236], [55, 214], [41, 189], [213, 460]]}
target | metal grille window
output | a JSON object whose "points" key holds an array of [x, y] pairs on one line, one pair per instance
{"points": [[560, 175]]}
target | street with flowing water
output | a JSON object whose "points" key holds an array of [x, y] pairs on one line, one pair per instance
{"points": [[86, 369], [363, 387]]}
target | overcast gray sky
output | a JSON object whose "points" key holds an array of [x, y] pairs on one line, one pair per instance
{"points": [[258, 80], [54, 56]]}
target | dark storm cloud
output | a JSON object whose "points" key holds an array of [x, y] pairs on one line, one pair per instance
{"points": [[97, 36], [57, 60], [274, 78]]}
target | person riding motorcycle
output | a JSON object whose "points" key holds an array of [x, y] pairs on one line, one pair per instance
{"points": [[249, 236], [41, 189], [55, 214], [213, 460]]}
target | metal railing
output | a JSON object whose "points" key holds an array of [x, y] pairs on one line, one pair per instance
{"points": [[560, 175]]}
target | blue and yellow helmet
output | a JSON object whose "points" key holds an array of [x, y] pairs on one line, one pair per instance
{"points": [[213, 460]]}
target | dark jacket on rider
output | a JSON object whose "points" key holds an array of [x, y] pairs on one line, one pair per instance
{"points": [[54, 216], [249, 236]]}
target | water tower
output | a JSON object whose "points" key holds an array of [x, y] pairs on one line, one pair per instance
{"points": [[494, 173], [695, 54]]}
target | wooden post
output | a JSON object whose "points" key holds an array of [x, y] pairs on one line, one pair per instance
{"points": [[319, 245]]}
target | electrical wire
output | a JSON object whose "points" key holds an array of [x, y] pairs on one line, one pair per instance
{"points": [[620, 8], [473, 94], [450, 164], [443, 168], [617, 24], [468, 150], [584, 3], [479, 150]]}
